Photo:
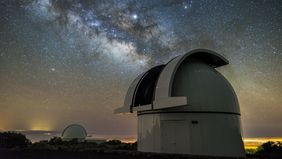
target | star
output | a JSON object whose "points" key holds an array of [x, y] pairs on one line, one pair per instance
{"points": [[92, 50], [95, 23], [135, 16]]}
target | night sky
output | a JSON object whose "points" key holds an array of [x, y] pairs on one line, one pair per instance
{"points": [[71, 61]]}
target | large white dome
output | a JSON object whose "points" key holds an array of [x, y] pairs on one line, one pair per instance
{"points": [[189, 82], [186, 106], [74, 131]]}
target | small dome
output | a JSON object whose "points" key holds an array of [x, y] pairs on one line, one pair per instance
{"points": [[74, 131]]}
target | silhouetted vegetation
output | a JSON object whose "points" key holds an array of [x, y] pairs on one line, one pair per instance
{"points": [[269, 150], [56, 143], [18, 140], [270, 147], [109, 149], [114, 142], [13, 140]]}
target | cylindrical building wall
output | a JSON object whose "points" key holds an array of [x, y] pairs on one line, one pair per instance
{"points": [[216, 134]]}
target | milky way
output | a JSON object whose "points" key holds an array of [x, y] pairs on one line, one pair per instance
{"points": [[71, 61]]}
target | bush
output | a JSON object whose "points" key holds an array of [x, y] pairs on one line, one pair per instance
{"points": [[270, 147], [42, 145], [55, 141], [13, 139], [113, 142]]}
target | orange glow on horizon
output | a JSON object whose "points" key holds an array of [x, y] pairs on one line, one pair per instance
{"points": [[2, 126], [253, 143], [249, 143], [40, 126]]}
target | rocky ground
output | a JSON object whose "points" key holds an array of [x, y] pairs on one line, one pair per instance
{"points": [[44, 154]]}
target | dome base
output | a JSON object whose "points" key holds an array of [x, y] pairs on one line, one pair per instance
{"points": [[194, 133]]}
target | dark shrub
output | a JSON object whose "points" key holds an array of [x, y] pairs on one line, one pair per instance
{"points": [[270, 147], [13, 139], [134, 145], [42, 145], [73, 141], [56, 141], [113, 142]]}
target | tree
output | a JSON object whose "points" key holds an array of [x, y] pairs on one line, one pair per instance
{"points": [[13, 139], [270, 147]]}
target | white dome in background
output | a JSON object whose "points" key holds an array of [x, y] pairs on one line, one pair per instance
{"points": [[74, 131]]}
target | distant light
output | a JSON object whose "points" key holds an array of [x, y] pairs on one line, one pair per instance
{"points": [[19, 130], [48, 134], [134, 16], [53, 69], [95, 23], [185, 7]]}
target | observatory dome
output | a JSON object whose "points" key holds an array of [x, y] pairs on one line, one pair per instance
{"points": [[74, 131], [187, 80], [187, 107]]}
